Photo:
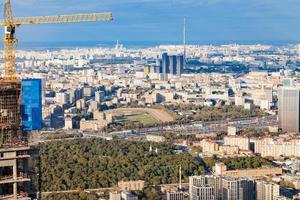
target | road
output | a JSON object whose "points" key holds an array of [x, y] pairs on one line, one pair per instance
{"points": [[75, 191], [201, 127], [104, 189], [188, 128]]}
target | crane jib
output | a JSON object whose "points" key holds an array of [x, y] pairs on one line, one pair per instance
{"points": [[75, 18], [10, 23]]}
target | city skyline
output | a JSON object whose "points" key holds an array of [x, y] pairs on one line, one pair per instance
{"points": [[160, 20]]}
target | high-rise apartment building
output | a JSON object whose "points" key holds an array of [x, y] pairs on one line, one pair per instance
{"points": [[237, 189], [204, 187], [214, 187], [202, 192], [267, 190], [32, 104], [289, 109]]}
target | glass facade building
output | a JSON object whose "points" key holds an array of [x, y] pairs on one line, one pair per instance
{"points": [[173, 64], [31, 104]]}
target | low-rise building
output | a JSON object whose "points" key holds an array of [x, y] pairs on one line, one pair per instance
{"points": [[92, 125], [155, 138], [221, 170], [178, 195], [131, 185]]}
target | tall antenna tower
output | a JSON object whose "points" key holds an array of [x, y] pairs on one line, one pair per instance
{"points": [[184, 42]]}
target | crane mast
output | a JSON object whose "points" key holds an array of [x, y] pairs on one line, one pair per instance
{"points": [[9, 45]]}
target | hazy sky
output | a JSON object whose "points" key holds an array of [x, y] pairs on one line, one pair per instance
{"points": [[162, 20]]}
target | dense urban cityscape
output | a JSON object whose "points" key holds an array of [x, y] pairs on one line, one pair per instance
{"points": [[158, 122], [148, 124]]}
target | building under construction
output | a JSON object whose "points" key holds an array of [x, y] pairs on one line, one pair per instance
{"points": [[14, 149]]}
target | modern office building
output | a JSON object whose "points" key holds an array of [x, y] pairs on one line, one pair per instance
{"points": [[179, 65], [289, 109], [31, 104], [165, 66], [171, 65]]}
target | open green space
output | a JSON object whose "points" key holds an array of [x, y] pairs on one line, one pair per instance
{"points": [[145, 118], [96, 163]]}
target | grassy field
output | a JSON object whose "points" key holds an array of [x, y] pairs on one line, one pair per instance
{"points": [[144, 118]]}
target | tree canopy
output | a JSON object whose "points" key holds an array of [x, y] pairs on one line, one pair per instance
{"points": [[96, 163]]}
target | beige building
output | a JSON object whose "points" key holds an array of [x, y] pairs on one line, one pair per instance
{"points": [[275, 147], [228, 150], [267, 190], [221, 170], [92, 125], [68, 123], [80, 104], [240, 141], [160, 96], [232, 130], [296, 184], [97, 115], [155, 138], [115, 195], [209, 146], [93, 106], [131, 185]]}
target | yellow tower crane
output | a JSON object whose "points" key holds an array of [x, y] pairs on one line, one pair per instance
{"points": [[10, 23]]}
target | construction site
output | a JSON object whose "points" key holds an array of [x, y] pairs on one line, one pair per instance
{"points": [[14, 149], [14, 146]]}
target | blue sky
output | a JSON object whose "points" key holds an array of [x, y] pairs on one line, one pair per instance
{"points": [[161, 20]]}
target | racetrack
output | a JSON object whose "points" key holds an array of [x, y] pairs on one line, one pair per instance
{"points": [[158, 114]]}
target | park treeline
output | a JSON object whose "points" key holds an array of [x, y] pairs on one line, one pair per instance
{"points": [[210, 113], [96, 163]]}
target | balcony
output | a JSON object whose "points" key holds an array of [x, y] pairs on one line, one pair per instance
{"points": [[22, 177], [21, 196]]}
